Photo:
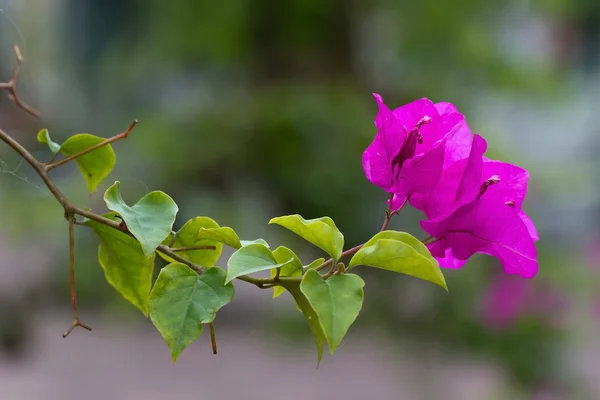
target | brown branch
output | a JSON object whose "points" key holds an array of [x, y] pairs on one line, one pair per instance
{"points": [[40, 169], [103, 143], [10, 86], [427, 239], [76, 322], [213, 337], [344, 254]]}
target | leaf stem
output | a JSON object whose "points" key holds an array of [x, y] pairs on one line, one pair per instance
{"points": [[347, 253], [264, 282], [191, 248], [213, 337], [122, 135], [428, 238]]}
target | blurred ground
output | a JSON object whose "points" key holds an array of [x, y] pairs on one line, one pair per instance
{"points": [[133, 364]]}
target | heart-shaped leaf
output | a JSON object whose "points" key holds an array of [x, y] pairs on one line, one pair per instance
{"points": [[251, 258], [181, 301], [321, 232], [44, 137], [224, 235], [313, 264], [293, 268], [125, 265], [95, 165], [150, 220], [400, 252], [189, 236], [337, 301], [309, 312]]}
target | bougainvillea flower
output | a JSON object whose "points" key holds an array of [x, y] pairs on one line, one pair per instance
{"points": [[476, 208], [412, 146]]}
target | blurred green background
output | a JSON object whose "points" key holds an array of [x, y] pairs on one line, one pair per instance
{"points": [[254, 109]]}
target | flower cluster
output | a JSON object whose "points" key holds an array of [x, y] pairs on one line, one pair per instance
{"points": [[426, 154]]}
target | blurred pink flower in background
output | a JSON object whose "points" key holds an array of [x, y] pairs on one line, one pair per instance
{"points": [[593, 254], [504, 301], [508, 299]]}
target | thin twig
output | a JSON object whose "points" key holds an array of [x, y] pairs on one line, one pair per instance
{"points": [[103, 143], [173, 238], [192, 248], [10, 86], [76, 322], [265, 283], [69, 207], [213, 338], [347, 253], [427, 239]]}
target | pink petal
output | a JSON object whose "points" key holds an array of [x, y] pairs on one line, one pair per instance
{"points": [[487, 226], [458, 145], [529, 224], [397, 202], [412, 113], [513, 182], [377, 168], [444, 107], [391, 131], [464, 175], [470, 183], [421, 173], [444, 256]]}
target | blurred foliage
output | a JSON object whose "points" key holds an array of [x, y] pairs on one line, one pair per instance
{"points": [[275, 96]]}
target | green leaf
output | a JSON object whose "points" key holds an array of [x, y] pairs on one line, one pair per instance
{"points": [[125, 265], [189, 236], [44, 137], [293, 268], [309, 312], [321, 232], [224, 235], [255, 241], [150, 220], [95, 165], [181, 301], [337, 301], [314, 264], [251, 258], [400, 252]]}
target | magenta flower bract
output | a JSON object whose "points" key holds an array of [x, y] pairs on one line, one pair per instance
{"points": [[412, 146], [425, 153], [476, 208]]}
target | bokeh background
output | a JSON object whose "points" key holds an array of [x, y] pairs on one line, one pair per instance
{"points": [[251, 109]]}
